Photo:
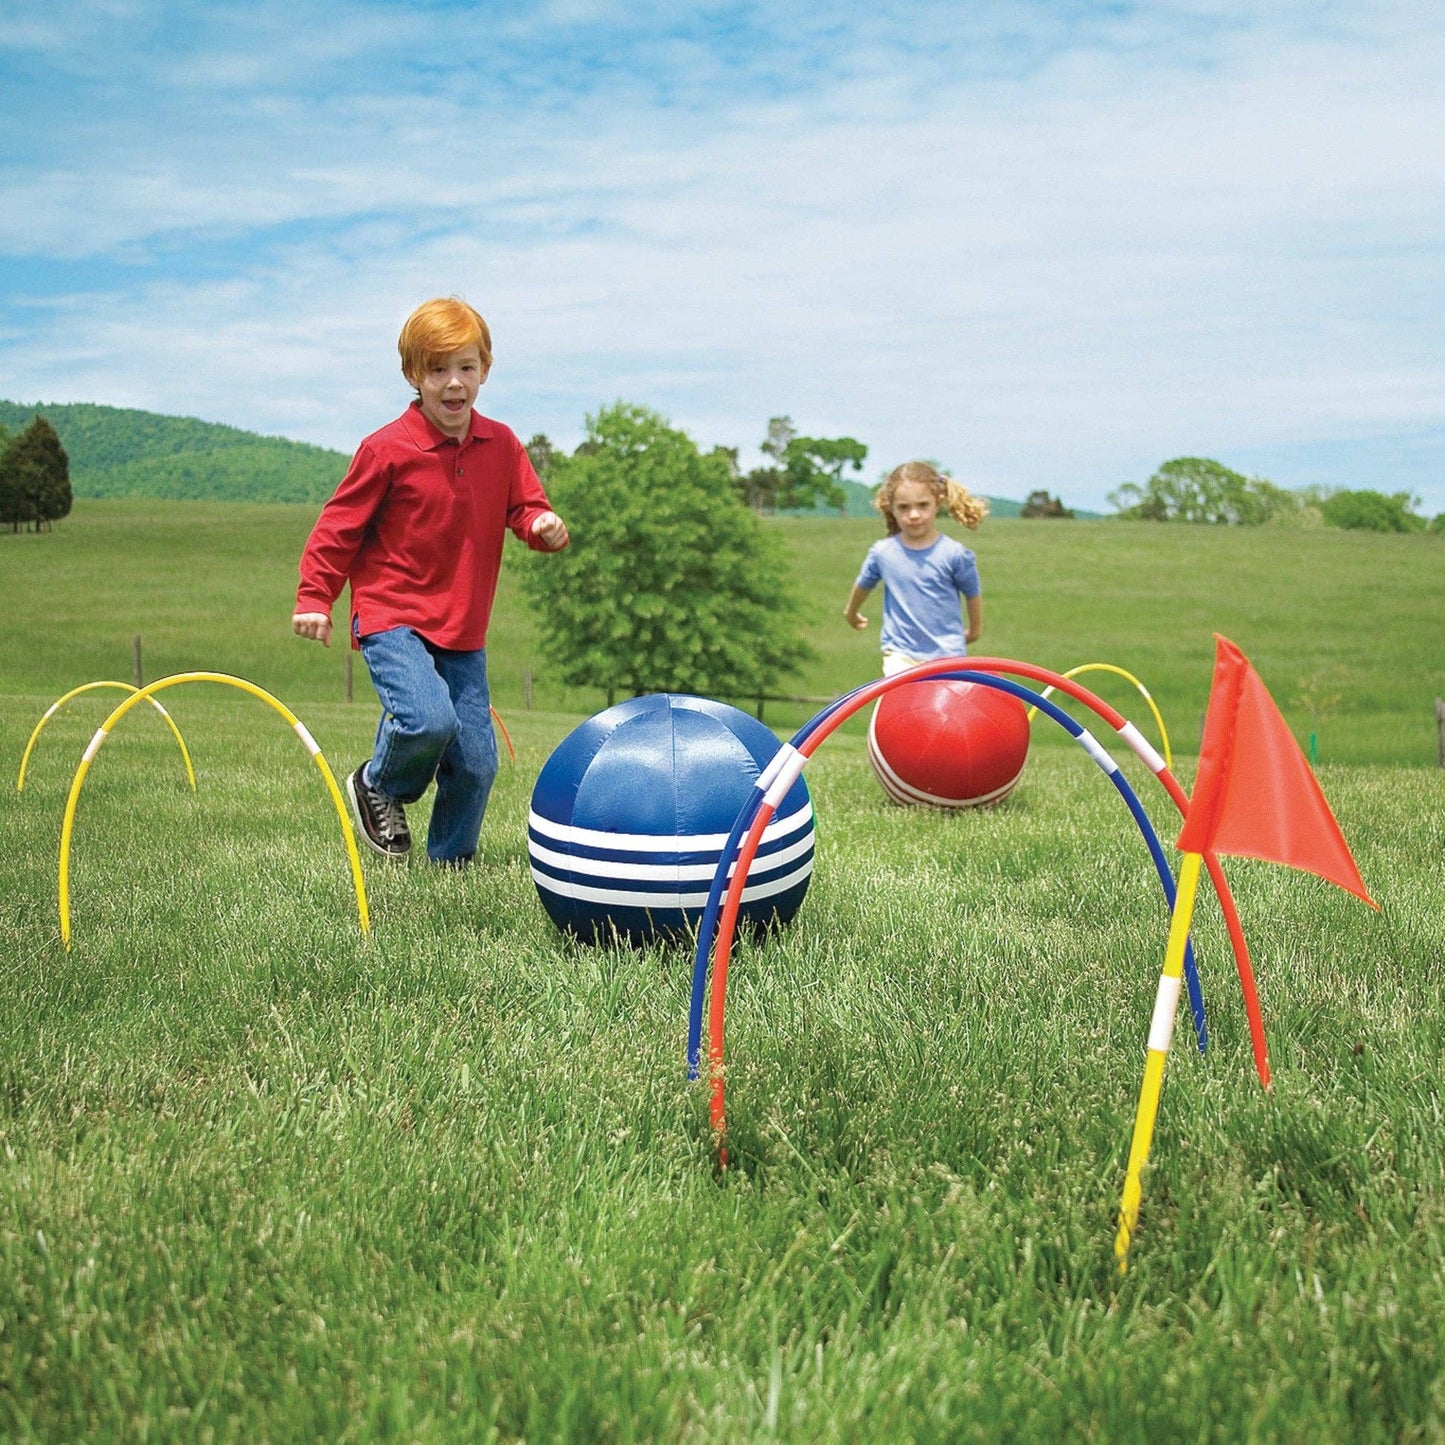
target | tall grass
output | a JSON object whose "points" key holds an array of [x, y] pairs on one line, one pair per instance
{"points": [[262, 1176]]}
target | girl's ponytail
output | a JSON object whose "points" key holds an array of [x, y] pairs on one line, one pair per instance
{"points": [[959, 502]]}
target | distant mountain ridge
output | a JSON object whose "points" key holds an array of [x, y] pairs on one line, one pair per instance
{"points": [[859, 503], [120, 452]]}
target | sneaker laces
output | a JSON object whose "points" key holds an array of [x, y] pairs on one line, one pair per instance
{"points": [[390, 816]]}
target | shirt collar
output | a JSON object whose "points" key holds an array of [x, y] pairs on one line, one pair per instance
{"points": [[429, 437]]}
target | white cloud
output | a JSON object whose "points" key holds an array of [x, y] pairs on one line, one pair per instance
{"points": [[1053, 274]]}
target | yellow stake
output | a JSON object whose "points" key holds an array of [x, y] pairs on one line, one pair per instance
{"points": [[1161, 1029], [1129, 676], [143, 694], [89, 687]]}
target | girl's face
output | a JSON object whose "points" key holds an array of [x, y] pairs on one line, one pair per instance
{"points": [[448, 387], [916, 512]]}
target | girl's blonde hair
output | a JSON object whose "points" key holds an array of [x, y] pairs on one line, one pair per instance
{"points": [[437, 328], [951, 497]]}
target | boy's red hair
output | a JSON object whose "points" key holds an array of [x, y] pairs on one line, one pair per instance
{"points": [[437, 328]]}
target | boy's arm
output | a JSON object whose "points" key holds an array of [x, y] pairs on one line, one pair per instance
{"points": [[332, 546], [315, 625], [529, 514], [851, 615], [551, 531]]}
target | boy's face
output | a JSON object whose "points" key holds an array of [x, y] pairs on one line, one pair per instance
{"points": [[448, 387]]}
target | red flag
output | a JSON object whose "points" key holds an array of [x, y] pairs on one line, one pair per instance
{"points": [[1254, 793]]}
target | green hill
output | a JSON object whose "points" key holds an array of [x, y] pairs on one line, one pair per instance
{"points": [[120, 452], [860, 504]]}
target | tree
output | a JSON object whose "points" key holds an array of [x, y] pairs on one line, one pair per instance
{"points": [[7, 485], [762, 486], [759, 489], [1041, 504], [34, 478], [813, 470], [780, 432], [1199, 489], [804, 470], [542, 453], [670, 583], [18, 485], [1372, 511], [54, 498]]}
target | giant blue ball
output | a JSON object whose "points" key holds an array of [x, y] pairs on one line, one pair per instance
{"points": [[630, 814]]}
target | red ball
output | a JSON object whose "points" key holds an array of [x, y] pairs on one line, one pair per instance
{"points": [[949, 744]]}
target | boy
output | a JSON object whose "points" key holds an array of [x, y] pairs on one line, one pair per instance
{"points": [[416, 527]]}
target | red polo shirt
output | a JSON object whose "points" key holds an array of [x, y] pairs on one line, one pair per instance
{"points": [[416, 527]]}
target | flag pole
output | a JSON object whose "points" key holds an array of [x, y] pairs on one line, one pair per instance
{"points": [[1161, 1030]]}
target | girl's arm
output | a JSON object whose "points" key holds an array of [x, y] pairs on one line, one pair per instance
{"points": [[851, 615], [975, 618]]}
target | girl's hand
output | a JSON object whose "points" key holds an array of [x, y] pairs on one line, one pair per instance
{"points": [[855, 620], [315, 625], [551, 531]]}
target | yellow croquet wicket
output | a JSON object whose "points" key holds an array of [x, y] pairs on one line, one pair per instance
{"points": [[1128, 677], [91, 687], [144, 694], [1161, 1030]]}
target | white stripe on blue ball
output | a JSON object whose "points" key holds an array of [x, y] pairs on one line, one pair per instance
{"points": [[630, 814]]}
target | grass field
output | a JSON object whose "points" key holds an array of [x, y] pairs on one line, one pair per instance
{"points": [[1356, 620], [266, 1178]]}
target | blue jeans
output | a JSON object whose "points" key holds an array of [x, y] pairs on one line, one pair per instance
{"points": [[436, 722]]}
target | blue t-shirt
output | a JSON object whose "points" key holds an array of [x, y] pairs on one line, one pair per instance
{"points": [[922, 585]]}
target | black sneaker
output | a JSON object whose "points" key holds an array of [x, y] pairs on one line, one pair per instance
{"points": [[381, 819]]}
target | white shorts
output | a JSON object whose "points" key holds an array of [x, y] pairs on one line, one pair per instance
{"points": [[896, 662]]}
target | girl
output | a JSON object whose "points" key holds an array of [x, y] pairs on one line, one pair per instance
{"points": [[924, 572]]}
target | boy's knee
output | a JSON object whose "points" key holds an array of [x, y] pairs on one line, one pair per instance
{"points": [[479, 760], [432, 724]]}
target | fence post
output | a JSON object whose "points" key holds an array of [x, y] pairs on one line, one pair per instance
{"points": [[527, 690], [135, 657], [1440, 731], [348, 674], [760, 708]]}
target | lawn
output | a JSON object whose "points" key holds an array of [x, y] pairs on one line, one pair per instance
{"points": [[1345, 627], [265, 1176]]}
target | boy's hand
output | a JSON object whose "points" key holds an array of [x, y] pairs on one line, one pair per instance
{"points": [[855, 620], [551, 531], [315, 625]]}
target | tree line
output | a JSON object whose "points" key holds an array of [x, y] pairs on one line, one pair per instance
{"points": [[1199, 489], [34, 478], [801, 472]]}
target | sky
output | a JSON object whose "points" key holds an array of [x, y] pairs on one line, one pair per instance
{"points": [[1050, 244]]}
